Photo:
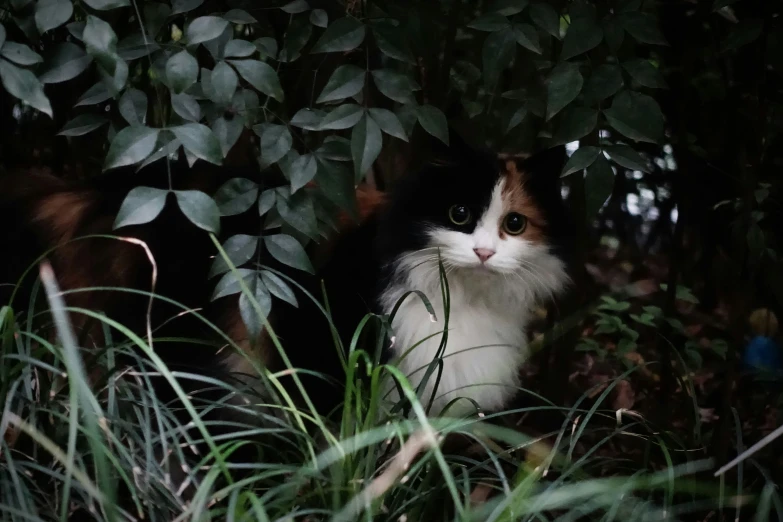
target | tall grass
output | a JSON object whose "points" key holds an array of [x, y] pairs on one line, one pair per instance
{"points": [[74, 448]]}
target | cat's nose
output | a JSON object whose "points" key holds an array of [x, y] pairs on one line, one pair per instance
{"points": [[484, 253]]}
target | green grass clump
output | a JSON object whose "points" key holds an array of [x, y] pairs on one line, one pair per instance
{"points": [[115, 450]]}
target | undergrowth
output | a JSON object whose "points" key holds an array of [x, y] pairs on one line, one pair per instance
{"points": [[109, 448]]}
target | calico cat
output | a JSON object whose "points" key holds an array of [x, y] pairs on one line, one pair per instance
{"points": [[499, 227], [497, 224]]}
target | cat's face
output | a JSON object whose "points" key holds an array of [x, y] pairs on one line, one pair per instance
{"points": [[495, 230], [482, 215]]}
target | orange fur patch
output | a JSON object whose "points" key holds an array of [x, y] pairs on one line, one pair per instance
{"points": [[368, 201], [59, 215], [517, 199]]}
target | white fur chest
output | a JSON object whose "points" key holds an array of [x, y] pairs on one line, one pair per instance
{"points": [[486, 343]]}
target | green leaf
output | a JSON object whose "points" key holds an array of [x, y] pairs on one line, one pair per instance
{"points": [[614, 34], [545, 17], [319, 18], [582, 158], [236, 196], [288, 251], [266, 201], [490, 22], [239, 250], [298, 211], [141, 205], [516, 118], [344, 34], [302, 171], [239, 49], [720, 4], [19, 54], [116, 78], [200, 209], [626, 346], [397, 86], [507, 7], [52, 13], [267, 46], [278, 287], [101, 42], [239, 16], [337, 184], [82, 124], [224, 83], [343, 117], [181, 71], [626, 157], [636, 116], [186, 106], [229, 283], [392, 43], [205, 28], [720, 347], [199, 140], [527, 37], [695, 357], [308, 119], [366, 142], [217, 46], [250, 316], [346, 81], [583, 35], [276, 141], [296, 37], [98, 93], [389, 123], [155, 15], [66, 62], [22, 84], [745, 32], [575, 123], [605, 81], [2, 36], [497, 53], [407, 116], [227, 132], [642, 27], [562, 87], [434, 122], [335, 148], [169, 147], [261, 76], [598, 186], [131, 145], [133, 107], [135, 46], [105, 5], [645, 73], [296, 7]]}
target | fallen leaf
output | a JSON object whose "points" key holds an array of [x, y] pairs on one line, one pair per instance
{"points": [[624, 396]]}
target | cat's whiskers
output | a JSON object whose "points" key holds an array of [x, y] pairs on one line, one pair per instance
{"points": [[540, 283]]}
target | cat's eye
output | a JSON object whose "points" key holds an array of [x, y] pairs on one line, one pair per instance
{"points": [[459, 214], [514, 223]]}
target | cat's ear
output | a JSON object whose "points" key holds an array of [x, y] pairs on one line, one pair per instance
{"points": [[543, 165]]}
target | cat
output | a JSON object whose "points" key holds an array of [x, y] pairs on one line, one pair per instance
{"points": [[500, 229], [497, 224]]}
